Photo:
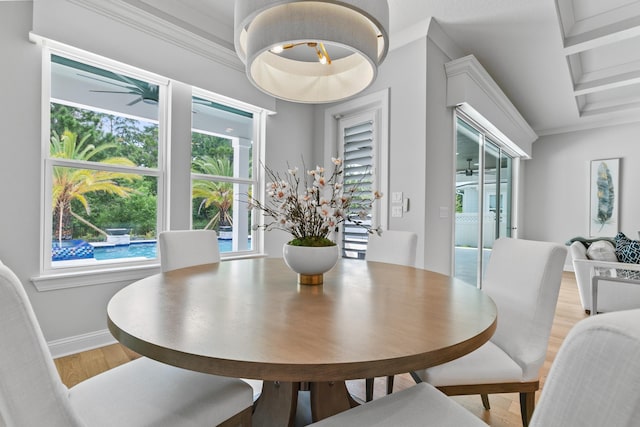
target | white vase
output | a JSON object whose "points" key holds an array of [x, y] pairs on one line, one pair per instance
{"points": [[310, 262]]}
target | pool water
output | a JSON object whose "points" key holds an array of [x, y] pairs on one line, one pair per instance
{"points": [[134, 250], [144, 250]]}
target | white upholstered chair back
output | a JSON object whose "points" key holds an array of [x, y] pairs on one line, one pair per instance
{"points": [[523, 279], [185, 248], [595, 378], [393, 247], [31, 392]]}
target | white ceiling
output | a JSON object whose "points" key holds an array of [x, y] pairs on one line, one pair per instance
{"points": [[565, 64]]}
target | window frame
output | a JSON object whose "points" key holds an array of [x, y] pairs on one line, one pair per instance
{"points": [[49, 163], [58, 277], [258, 154]]}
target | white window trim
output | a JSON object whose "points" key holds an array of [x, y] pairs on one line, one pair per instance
{"points": [[259, 132], [47, 270], [378, 103], [61, 278]]}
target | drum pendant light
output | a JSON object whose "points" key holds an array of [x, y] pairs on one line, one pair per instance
{"points": [[311, 51]]}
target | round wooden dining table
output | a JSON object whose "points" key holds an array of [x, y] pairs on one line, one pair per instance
{"points": [[251, 319]]}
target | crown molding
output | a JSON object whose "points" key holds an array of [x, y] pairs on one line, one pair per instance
{"points": [[203, 44]]}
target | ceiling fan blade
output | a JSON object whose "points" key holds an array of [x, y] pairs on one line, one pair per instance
{"points": [[111, 91], [110, 82]]}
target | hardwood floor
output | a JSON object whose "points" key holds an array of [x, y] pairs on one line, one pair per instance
{"points": [[505, 408]]}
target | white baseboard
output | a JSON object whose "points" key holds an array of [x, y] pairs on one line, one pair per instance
{"points": [[79, 343]]}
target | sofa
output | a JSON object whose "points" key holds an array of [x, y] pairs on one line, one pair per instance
{"points": [[615, 257]]}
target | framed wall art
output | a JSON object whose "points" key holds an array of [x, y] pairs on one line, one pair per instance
{"points": [[604, 197]]}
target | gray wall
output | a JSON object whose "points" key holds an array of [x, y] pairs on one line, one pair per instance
{"points": [[556, 196], [404, 71]]}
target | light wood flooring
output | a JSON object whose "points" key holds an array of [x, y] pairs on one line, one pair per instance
{"points": [[505, 408]]}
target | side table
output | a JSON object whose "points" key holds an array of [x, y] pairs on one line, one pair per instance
{"points": [[599, 273]]}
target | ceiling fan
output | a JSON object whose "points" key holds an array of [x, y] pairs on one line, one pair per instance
{"points": [[145, 92], [468, 171]]}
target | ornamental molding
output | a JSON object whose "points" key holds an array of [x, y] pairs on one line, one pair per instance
{"points": [[192, 39]]}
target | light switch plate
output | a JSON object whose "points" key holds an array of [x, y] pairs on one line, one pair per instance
{"points": [[396, 197], [396, 211]]}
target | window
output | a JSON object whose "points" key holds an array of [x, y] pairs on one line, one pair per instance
{"points": [[221, 164], [103, 170], [105, 157]]}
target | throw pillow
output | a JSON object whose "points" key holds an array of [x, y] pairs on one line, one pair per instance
{"points": [[628, 274], [627, 250], [602, 250]]}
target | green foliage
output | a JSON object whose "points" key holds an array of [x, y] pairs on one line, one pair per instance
{"points": [[137, 213], [106, 139], [218, 194], [71, 185], [203, 145], [312, 241]]}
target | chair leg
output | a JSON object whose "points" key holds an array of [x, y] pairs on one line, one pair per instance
{"points": [[390, 384], [527, 403], [415, 377], [368, 390], [485, 401]]}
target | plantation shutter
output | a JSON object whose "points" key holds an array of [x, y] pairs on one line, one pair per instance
{"points": [[358, 140]]}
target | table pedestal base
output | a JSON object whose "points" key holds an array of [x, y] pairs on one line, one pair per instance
{"points": [[278, 402]]}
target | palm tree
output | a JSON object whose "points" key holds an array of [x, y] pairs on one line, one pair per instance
{"points": [[73, 184], [218, 194]]}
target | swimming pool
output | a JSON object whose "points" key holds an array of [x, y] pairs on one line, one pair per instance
{"points": [[133, 250], [146, 249]]}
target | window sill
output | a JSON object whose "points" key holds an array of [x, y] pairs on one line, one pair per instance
{"points": [[53, 281]]}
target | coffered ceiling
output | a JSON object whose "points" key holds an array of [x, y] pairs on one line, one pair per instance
{"points": [[601, 42], [565, 64]]}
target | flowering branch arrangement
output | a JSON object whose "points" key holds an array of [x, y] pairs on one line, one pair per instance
{"points": [[311, 207]]}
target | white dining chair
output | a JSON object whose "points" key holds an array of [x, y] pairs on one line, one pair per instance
{"points": [[593, 381], [392, 247], [523, 279], [138, 393], [187, 248]]}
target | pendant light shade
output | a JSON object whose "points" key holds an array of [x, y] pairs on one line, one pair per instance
{"points": [[311, 51]]}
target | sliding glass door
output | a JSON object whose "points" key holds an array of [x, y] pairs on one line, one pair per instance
{"points": [[484, 199]]}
